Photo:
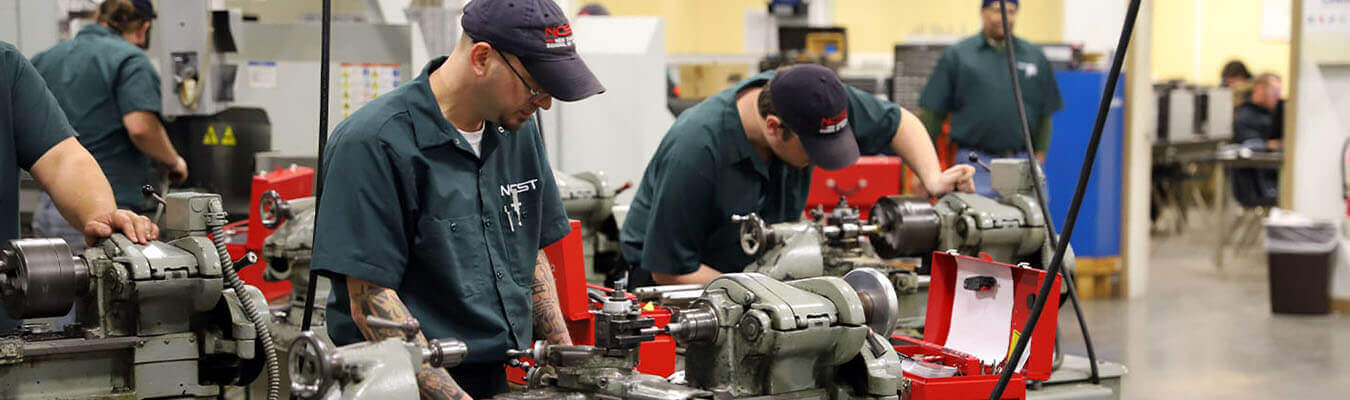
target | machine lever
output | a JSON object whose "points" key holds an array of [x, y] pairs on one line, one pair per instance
{"points": [[975, 158], [410, 327], [150, 193]]}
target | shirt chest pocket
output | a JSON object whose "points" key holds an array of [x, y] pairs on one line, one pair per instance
{"points": [[520, 240], [453, 249]]}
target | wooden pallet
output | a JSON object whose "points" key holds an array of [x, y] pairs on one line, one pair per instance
{"points": [[1340, 306], [1095, 277]]}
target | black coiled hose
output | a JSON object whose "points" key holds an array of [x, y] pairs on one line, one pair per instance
{"points": [[259, 320]]}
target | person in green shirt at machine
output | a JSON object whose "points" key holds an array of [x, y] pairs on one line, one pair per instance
{"points": [[970, 83], [438, 198], [110, 93], [750, 148], [35, 136]]}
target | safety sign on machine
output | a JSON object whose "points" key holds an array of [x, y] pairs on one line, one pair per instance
{"points": [[225, 139]]}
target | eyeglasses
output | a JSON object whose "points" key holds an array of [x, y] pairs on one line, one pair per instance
{"points": [[535, 95]]}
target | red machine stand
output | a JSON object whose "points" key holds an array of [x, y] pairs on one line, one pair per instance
{"points": [[291, 183], [569, 272], [976, 381], [871, 178]]}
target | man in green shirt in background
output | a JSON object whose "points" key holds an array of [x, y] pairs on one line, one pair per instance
{"points": [[109, 91], [970, 83]]}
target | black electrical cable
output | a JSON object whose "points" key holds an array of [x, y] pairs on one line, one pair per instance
{"points": [[1040, 190], [324, 56], [1089, 158]]}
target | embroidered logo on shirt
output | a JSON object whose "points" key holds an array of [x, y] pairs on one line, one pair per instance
{"points": [[522, 186], [1029, 69], [513, 190]]}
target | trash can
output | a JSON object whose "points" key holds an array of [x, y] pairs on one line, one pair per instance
{"points": [[1301, 255]]}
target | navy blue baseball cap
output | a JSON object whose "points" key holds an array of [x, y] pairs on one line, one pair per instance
{"points": [[986, 3], [145, 8], [537, 32], [812, 101]]}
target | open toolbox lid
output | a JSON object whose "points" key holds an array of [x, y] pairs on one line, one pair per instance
{"points": [[979, 320]]}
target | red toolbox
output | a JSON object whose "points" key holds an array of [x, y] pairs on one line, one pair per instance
{"points": [[248, 235], [871, 178], [974, 381], [569, 273]]}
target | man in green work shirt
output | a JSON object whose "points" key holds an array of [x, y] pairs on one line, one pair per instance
{"points": [[438, 198], [748, 149], [109, 91], [970, 83], [35, 136]]}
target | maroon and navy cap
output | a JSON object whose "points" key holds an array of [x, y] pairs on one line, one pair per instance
{"points": [[537, 32], [812, 101]]}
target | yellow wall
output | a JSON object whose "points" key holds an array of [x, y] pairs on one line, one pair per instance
{"points": [[693, 26], [875, 26], [718, 26], [1229, 29]]}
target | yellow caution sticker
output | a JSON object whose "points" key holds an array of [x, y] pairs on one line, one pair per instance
{"points": [[1015, 336], [210, 139], [228, 139]]}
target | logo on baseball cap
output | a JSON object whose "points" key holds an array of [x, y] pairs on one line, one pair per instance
{"points": [[812, 101], [834, 124], [537, 32], [558, 36]]}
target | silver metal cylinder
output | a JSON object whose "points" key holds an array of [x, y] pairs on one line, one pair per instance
{"points": [[655, 292], [695, 325], [41, 278], [445, 353], [909, 227]]}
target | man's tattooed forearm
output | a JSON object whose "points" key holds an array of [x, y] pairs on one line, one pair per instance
{"points": [[368, 299], [435, 383], [548, 319]]}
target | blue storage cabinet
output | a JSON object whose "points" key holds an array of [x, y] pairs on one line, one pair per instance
{"points": [[1097, 232]]}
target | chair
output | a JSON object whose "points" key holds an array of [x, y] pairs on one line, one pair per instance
{"points": [[1255, 190]]}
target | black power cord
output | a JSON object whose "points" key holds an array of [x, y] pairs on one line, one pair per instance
{"points": [[324, 57], [1089, 158], [1009, 45], [325, 54]]}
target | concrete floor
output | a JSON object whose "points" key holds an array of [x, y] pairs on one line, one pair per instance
{"points": [[1204, 334]]}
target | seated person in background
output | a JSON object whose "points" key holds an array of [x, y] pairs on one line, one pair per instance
{"points": [[1236, 77], [1254, 122], [1258, 126]]}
